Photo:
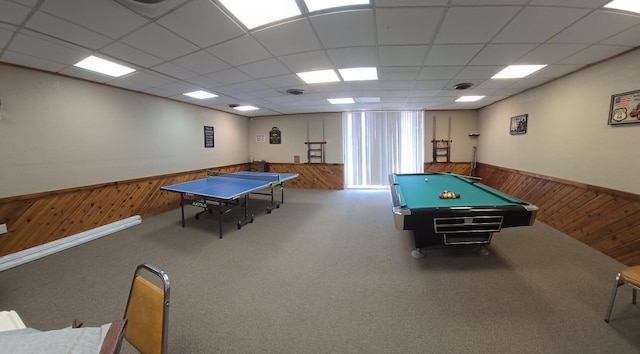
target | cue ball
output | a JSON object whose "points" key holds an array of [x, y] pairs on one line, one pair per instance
{"points": [[426, 180]]}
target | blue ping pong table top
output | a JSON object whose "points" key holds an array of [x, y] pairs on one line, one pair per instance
{"points": [[229, 186]]}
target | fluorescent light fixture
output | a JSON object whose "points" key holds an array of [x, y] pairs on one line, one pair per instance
{"points": [[255, 13], [346, 100], [316, 5], [103, 66], [202, 95], [517, 71], [469, 98], [359, 74], [368, 99], [319, 76], [625, 5], [246, 108]]}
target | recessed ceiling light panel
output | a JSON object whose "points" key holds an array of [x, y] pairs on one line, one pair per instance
{"points": [[319, 76], [359, 74], [246, 108], [103, 66], [469, 98], [346, 100], [517, 71], [625, 5], [317, 5], [200, 94], [255, 13]]}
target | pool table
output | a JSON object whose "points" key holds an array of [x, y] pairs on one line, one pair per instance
{"points": [[471, 216]]}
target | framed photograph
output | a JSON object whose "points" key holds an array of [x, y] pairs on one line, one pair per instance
{"points": [[625, 108], [519, 124]]}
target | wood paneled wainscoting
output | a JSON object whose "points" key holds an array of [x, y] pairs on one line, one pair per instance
{"points": [[36, 219], [39, 218], [312, 175], [605, 219]]}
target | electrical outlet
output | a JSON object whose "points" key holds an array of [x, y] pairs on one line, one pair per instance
{"points": [[3, 229]]}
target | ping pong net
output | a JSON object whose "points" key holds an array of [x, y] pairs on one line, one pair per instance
{"points": [[273, 178]]}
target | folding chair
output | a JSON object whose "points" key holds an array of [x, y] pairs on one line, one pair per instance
{"points": [[147, 312], [629, 276]]}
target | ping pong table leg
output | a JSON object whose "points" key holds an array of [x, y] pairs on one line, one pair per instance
{"points": [[220, 220], [247, 218], [182, 207]]}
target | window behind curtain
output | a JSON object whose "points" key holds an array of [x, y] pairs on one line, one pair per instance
{"points": [[379, 143]]}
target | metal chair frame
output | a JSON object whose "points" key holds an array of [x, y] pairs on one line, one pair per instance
{"points": [[618, 283], [166, 295]]}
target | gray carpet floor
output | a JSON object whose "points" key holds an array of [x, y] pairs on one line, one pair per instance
{"points": [[327, 272]]}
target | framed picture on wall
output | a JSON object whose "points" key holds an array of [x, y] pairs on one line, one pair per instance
{"points": [[625, 108], [519, 124]]}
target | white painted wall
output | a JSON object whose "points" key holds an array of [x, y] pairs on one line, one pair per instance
{"points": [[463, 123], [58, 132], [568, 136], [321, 127]]}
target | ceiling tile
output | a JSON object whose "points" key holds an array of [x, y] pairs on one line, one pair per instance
{"points": [[32, 62], [130, 54], [588, 4], [478, 72], [152, 11], [140, 81], [630, 38], [239, 51], [550, 53], [160, 42], [596, 27], [489, 2], [460, 54], [202, 23], [283, 81], [593, 54], [91, 14], [537, 24], [13, 13], [438, 72], [342, 29], [288, 38], [201, 62], [175, 71], [407, 25], [40, 46], [467, 25], [402, 55], [229, 76], [316, 60], [354, 57], [264, 68], [399, 73], [501, 54], [66, 31]]}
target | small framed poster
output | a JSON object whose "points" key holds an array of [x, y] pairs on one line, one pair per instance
{"points": [[519, 124], [208, 137]]}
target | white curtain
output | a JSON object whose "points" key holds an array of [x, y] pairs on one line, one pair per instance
{"points": [[379, 143]]}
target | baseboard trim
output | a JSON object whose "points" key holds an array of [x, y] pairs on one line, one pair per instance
{"points": [[33, 253]]}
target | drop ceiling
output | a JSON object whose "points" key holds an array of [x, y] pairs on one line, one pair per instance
{"points": [[421, 49]]}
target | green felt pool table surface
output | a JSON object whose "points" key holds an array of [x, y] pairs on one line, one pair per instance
{"points": [[416, 193]]}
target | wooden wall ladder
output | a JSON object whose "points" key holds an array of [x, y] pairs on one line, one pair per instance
{"points": [[315, 149]]}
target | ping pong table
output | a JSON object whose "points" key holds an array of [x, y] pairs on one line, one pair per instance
{"points": [[224, 193]]}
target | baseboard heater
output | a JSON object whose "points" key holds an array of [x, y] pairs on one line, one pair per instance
{"points": [[33, 253]]}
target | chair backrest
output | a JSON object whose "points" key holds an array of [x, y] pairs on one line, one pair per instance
{"points": [[147, 312]]}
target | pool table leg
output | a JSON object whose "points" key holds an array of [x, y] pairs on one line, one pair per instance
{"points": [[417, 253]]}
